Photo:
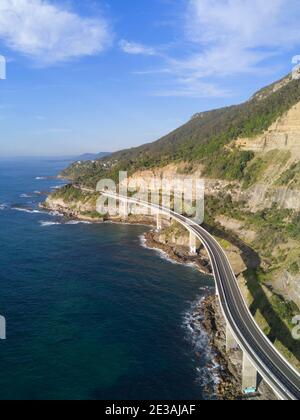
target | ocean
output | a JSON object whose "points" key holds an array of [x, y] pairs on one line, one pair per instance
{"points": [[91, 313]]}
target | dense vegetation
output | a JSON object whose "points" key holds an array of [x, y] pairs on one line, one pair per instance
{"points": [[71, 194], [205, 138], [291, 176], [208, 139], [68, 193]]}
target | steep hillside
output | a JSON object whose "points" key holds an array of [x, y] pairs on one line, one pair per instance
{"points": [[92, 156], [249, 155], [202, 139]]}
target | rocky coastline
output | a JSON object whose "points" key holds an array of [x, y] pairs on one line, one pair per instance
{"points": [[207, 314]]}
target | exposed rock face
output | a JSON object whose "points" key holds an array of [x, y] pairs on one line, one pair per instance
{"points": [[272, 89], [276, 152], [283, 135], [238, 227], [282, 138], [263, 196], [279, 148], [173, 239], [71, 209], [178, 253], [181, 171], [288, 285], [230, 385]]}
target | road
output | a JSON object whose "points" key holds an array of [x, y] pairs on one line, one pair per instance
{"points": [[271, 365]]}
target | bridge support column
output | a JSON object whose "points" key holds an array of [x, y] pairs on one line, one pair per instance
{"points": [[250, 375], [123, 209], [193, 244], [231, 343], [159, 221]]}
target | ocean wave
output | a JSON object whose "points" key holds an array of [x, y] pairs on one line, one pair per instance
{"points": [[208, 374], [40, 178], [56, 214], [25, 196], [46, 224], [78, 222], [25, 210], [111, 222], [3, 206]]}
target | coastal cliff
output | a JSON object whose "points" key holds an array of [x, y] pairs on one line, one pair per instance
{"points": [[249, 158], [173, 241]]}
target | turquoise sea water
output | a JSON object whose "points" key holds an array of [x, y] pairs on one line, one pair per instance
{"points": [[91, 314]]}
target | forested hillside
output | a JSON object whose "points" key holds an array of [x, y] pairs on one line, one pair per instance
{"points": [[202, 139]]}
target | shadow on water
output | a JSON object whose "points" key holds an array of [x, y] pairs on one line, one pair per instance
{"points": [[278, 330]]}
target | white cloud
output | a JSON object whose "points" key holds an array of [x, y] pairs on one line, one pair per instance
{"points": [[135, 48], [236, 36], [228, 38], [49, 33]]}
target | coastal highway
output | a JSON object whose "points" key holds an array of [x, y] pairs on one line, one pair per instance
{"points": [[271, 365]]}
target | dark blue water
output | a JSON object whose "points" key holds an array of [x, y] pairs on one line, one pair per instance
{"points": [[91, 314]]}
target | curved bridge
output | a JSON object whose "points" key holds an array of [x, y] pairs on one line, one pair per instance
{"points": [[260, 355]]}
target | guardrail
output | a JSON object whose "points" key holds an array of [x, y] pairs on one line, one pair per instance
{"points": [[209, 243]]}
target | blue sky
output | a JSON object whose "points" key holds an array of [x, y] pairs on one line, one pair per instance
{"points": [[101, 75]]}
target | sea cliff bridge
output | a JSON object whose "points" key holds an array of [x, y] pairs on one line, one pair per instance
{"points": [[260, 357]]}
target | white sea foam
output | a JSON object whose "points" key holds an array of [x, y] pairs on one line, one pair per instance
{"points": [[163, 255], [3, 206], [111, 222], [78, 222], [24, 210], [40, 178], [70, 222], [208, 374], [55, 214], [47, 224], [25, 196]]}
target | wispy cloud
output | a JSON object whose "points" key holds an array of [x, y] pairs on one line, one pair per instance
{"points": [[135, 48], [236, 36], [228, 38], [50, 33]]}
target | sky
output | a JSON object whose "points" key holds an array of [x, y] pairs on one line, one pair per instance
{"points": [[103, 75]]}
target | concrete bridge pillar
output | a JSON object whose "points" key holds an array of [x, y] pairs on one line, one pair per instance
{"points": [[159, 221], [193, 244], [250, 375], [231, 343], [123, 209]]}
